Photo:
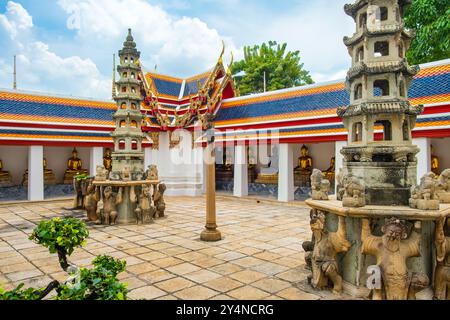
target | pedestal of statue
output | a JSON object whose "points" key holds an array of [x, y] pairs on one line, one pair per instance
{"points": [[5, 179], [49, 178], [69, 175], [302, 178]]}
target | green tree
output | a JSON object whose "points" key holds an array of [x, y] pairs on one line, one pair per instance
{"points": [[282, 69], [431, 20]]}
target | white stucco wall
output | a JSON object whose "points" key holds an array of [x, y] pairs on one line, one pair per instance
{"points": [[15, 160]]}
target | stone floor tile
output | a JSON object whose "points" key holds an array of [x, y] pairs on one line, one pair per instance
{"points": [[202, 276], [156, 276], [226, 268], [223, 284], [141, 268], [248, 293], [296, 294], [147, 293], [248, 276], [271, 285], [196, 293], [152, 256], [183, 268], [174, 285], [167, 262]]}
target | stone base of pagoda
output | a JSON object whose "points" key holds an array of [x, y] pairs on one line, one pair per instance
{"points": [[353, 264]]}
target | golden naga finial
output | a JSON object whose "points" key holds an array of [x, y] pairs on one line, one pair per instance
{"points": [[221, 54], [231, 64]]}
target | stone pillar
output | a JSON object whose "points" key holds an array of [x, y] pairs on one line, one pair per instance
{"points": [[339, 159], [240, 171], [286, 173], [35, 173], [95, 158], [423, 157]]}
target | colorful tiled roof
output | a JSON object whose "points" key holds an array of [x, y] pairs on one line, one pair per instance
{"points": [[311, 110]]}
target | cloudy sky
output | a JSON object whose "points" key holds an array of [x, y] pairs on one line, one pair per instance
{"points": [[66, 46]]}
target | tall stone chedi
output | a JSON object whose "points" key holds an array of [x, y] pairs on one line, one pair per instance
{"points": [[378, 83], [128, 156]]}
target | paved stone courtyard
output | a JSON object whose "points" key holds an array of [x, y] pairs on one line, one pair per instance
{"points": [[260, 256]]}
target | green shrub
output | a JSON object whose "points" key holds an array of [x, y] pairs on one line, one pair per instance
{"points": [[99, 283], [21, 294], [61, 236]]}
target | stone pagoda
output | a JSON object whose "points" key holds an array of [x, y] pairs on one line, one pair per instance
{"points": [[128, 156], [382, 237], [124, 193], [379, 118]]}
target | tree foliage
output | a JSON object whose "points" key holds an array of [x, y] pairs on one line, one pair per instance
{"points": [[282, 68], [62, 236], [431, 20]]}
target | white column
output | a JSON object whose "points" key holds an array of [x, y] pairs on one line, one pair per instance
{"points": [[286, 173], [423, 157], [339, 159], [96, 159], [240, 171], [35, 173]]}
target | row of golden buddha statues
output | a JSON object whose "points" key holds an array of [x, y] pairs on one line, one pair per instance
{"points": [[224, 172], [74, 167], [269, 173]]}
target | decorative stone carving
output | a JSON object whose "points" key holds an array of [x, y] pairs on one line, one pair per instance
{"points": [[90, 203], [79, 187], [155, 138], [174, 139], [126, 174], [442, 272], [354, 192], [425, 196], [444, 186], [110, 202], [340, 189], [322, 251], [101, 173], [144, 210], [392, 251], [152, 172], [320, 186], [158, 200]]}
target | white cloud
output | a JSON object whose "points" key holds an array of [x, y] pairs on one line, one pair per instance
{"points": [[16, 19], [39, 68], [178, 45]]}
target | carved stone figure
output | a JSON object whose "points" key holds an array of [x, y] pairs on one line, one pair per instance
{"points": [[425, 197], [392, 250], [340, 189], [126, 174], [354, 192], [80, 187], [110, 202], [101, 173], [444, 186], [144, 210], [90, 203], [322, 252], [152, 173], [158, 200], [442, 272], [320, 186]]}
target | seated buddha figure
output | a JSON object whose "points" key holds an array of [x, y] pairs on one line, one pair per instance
{"points": [[304, 168], [107, 159], [330, 172], [49, 176], [434, 162], [74, 167], [269, 173], [5, 177]]}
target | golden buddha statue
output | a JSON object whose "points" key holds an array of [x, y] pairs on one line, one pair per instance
{"points": [[107, 159], [74, 167], [330, 172], [434, 162], [5, 177], [49, 176], [302, 173]]}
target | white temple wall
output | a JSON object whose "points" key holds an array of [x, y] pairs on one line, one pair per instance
{"points": [[15, 160]]}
